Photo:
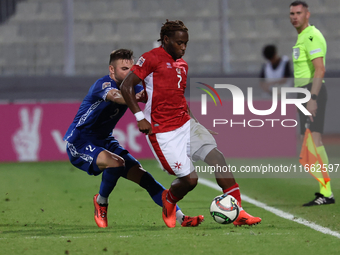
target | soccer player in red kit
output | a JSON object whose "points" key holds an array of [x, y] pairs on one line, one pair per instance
{"points": [[167, 123]]}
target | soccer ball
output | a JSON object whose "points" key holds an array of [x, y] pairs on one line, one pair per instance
{"points": [[224, 209]]}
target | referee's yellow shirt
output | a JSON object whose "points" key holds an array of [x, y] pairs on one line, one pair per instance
{"points": [[310, 44]]}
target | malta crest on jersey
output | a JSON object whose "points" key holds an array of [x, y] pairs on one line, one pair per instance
{"points": [[296, 53]]}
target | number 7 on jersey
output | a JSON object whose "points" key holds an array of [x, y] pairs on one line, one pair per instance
{"points": [[180, 79]]}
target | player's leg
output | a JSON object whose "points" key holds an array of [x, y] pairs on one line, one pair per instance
{"points": [[204, 147], [171, 151], [181, 186], [325, 183], [111, 166], [317, 130], [325, 195], [133, 171], [178, 189], [138, 175], [225, 179], [94, 159]]}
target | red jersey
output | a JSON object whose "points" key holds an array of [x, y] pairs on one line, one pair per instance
{"points": [[164, 81]]}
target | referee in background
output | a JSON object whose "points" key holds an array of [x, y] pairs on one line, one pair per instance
{"points": [[309, 58]]}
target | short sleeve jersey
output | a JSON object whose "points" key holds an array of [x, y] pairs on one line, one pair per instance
{"points": [[164, 80], [96, 116], [310, 45]]}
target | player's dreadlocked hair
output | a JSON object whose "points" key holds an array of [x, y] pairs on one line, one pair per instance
{"points": [[170, 27], [120, 54]]}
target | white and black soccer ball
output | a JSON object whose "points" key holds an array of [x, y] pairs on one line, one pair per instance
{"points": [[224, 209]]}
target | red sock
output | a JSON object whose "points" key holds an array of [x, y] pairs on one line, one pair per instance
{"points": [[171, 198], [234, 191]]}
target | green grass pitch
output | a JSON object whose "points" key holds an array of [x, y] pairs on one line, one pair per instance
{"points": [[46, 208]]}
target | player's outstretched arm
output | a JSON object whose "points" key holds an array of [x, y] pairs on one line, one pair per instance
{"points": [[115, 96], [127, 89]]}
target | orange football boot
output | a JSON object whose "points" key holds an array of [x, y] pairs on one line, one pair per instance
{"points": [[246, 219], [192, 221], [169, 211], [100, 213]]}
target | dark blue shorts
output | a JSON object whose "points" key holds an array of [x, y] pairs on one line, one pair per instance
{"points": [[83, 154]]}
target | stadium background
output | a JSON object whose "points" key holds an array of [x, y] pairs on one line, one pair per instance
{"points": [[53, 50], [46, 207]]}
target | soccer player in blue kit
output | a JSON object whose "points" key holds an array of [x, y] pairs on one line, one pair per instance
{"points": [[92, 148]]}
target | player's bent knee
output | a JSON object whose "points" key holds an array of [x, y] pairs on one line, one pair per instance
{"points": [[215, 157], [108, 159], [218, 153], [190, 181], [116, 162], [193, 184]]}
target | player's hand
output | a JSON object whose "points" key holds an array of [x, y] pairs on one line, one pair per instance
{"points": [[145, 127], [140, 97], [212, 132], [312, 106]]}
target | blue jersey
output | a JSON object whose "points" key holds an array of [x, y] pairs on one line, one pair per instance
{"points": [[97, 117]]}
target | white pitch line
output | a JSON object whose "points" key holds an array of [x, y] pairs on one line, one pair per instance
{"points": [[276, 211]]}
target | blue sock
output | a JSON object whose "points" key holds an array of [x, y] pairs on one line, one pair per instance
{"points": [[110, 177], [154, 188]]}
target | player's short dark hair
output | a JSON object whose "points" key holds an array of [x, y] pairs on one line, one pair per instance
{"points": [[269, 51], [120, 54], [170, 27], [296, 3]]}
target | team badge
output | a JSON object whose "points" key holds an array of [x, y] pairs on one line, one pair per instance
{"points": [[296, 53], [140, 61], [178, 70], [106, 85]]}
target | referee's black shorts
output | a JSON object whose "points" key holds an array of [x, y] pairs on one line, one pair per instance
{"points": [[319, 120]]}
